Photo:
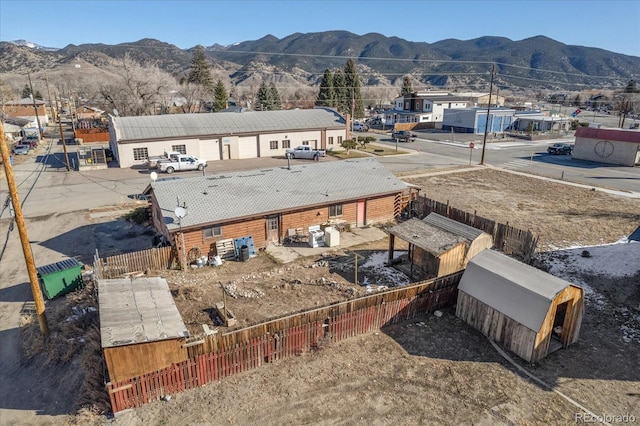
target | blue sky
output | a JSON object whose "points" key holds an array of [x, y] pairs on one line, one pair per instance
{"points": [[610, 25]]}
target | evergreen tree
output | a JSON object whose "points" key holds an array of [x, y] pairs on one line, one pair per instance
{"points": [[263, 102], [352, 84], [220, 97], [274, 97], [200, 73], [26, 91], [406, 86], [631, 87], [340, 91], [326, 95]]}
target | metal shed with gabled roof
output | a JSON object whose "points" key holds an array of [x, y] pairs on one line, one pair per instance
{"points": [[140, 327], [529, 311], [225, 135], [438, 245]]}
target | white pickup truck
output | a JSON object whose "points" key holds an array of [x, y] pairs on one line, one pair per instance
{"points": [[305, 151], [154, 162], [182, 163]]}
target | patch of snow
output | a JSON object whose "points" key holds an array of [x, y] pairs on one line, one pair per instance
{"points": [[387, 275]]}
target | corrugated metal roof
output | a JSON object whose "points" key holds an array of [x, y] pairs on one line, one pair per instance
{"points": [[224, 123], [467, 232], [136, 311], [519, 291], [426, 236], [220, 197], [63, 265], [617, 135]]}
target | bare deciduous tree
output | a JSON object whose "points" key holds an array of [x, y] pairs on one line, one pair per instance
{"points": [[140, 90]]}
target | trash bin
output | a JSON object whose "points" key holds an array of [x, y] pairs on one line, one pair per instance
{"points": [[244, 253]]}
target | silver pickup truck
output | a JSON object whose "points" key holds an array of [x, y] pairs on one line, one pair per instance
{"points": [[305, 151]]}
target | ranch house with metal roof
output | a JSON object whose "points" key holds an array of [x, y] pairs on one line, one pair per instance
{"points": [[224, 135], [267, 204]]}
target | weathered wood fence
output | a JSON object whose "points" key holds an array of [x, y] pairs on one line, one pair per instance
{"points": [[511, 241], [152, 259], [221, 355]]}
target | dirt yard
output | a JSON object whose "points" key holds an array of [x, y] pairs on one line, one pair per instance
{"points": [[431, 370]]}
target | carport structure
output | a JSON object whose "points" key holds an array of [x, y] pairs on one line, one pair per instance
{"points": [[438, 245]]}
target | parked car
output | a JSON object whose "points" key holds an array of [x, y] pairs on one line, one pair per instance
{"points": [[560, 149], [21, 149], [359, 127], [403, 136], [182, 163], [305, 151]]}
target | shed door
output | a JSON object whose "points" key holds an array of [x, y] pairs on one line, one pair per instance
{"points": [[360, 214], [272, 229]]}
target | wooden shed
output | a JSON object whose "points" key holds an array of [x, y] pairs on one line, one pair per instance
{"points": [[528, 311], [438, 245], [140, 326]]}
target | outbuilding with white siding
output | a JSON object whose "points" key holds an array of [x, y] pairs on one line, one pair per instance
{"points": [[611, 146], [224, 135]]}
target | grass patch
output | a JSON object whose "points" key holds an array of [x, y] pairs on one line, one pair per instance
{"points": [[381, 150], [353, 153]]}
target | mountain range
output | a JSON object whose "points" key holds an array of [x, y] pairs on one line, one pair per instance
{"points": [[300, 60]]}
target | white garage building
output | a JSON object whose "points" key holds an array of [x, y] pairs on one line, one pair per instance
{"points": [[611, 146], [224, 135]]}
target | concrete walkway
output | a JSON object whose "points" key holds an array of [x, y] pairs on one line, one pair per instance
{"points": [[356, 236]]}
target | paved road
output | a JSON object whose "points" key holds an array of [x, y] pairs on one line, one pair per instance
{"points": [[437, 150]]}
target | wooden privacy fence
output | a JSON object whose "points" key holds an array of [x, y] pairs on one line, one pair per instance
{"points": [[114, 266], [509, 240], [219, 356]]}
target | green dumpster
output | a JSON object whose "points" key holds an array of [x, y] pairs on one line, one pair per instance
{"points": [[60, 278]]}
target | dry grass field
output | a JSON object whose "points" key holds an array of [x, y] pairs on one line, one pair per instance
{"points": [[431, 370]]}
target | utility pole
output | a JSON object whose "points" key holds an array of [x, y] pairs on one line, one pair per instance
{"points": [[53, 114], [64, 143], [486, 124], [24, 239], [35, 107]]}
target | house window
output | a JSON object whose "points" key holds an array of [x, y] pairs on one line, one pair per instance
{"points": [[214, 231], [339, 140], [305, 142], [182, 149], [273, 145], [335, 210], [330, 142], [286, 143], [140, 154]]}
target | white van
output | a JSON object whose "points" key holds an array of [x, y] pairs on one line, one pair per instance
{"points": [[359, 127]]}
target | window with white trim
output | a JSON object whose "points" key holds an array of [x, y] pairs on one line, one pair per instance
{"points": [[286, 143], [140, 154], [273, 144], [182, 149], [335, 210], [330, 140]]}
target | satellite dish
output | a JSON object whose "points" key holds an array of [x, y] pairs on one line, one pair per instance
{"points": [[115, 112], [153, 176], [180, 212]]}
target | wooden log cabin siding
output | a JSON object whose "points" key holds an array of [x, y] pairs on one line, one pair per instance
{"points": [[125, 362]]}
